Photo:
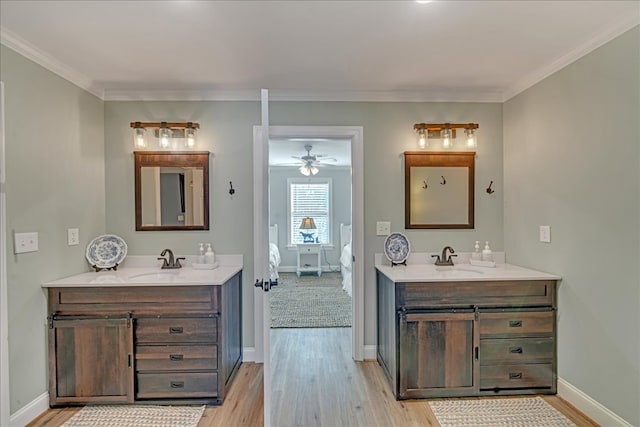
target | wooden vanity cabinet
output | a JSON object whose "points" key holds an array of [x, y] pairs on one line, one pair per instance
{"points": [[448, 339], [144, 344]]}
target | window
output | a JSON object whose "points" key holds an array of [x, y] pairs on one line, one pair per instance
{"points": [[309, 197]]}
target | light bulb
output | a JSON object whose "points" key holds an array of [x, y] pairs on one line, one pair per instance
{"points": [[164, 134], [140, 142], [190, 135], [471, 138], [422, 138], [446, 137]]}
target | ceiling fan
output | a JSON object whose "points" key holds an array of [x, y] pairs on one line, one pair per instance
{"points": [[310, 162]]}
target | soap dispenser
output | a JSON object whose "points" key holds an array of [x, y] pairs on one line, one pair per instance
{"points": [[487, 254], [209, 256], [476, 255], [201, 256]]}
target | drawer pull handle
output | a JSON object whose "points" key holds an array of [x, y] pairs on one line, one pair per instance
{"points": [[177, 384], [176, 357], [515, 323], [175, 329], [515, 350], [515, 375]]}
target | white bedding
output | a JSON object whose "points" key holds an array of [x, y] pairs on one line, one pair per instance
{"points": [[345, 267], [274, 261]]}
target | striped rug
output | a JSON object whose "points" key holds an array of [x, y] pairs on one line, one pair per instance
{"points": [[136, 416], [519, 412]]}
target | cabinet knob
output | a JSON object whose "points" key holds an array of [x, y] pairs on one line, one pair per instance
{"points": [[176, 357], [515, 350], [515, 375], [175, 329], [515, 323], [177, 384]]}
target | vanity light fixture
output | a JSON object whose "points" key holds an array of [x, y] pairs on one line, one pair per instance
{"points": [[165, 132], [446, 133]]}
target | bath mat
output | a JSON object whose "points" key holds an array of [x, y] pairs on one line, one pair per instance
{"points": [[136, 416], [520, 412]]}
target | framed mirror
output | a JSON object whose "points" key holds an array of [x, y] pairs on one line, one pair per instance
{"points": [[171, 190], [439, 189]]}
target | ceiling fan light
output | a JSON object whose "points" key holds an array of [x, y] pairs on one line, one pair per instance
{"points": [[314, 170], [304, 170]]}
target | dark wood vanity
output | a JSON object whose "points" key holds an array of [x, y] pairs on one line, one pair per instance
{"points": [[467, 338], [144, 344]]}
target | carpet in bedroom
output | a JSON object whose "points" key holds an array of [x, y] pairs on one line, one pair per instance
{"points": [[310, 301]]}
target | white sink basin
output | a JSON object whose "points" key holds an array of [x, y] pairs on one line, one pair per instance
{"points": [[155, 276], [457, 272]]}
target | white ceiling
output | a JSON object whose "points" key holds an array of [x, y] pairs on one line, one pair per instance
{"points": [[312, 50]]}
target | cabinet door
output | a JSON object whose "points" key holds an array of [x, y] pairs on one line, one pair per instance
{"points": [[437, 354], [90, 360]]}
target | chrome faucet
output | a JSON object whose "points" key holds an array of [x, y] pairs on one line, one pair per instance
{"points": [[171, 262], [444, 260]]}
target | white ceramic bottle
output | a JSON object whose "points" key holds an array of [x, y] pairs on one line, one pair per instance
{"points": [[487, 254], [476, 255], [209, 256]]}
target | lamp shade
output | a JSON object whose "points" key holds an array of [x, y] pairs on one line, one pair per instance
{"points": [[307, 224]]}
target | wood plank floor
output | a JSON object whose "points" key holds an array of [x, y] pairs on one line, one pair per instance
{"points": [[316, 384]]}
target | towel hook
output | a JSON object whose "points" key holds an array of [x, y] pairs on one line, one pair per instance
{"points": [[231, 190], [489, 189], [444, 181]]}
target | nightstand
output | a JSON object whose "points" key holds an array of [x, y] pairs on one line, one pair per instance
{"points": [[308, 258]]}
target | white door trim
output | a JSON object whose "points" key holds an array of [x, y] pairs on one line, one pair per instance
{"points": [[4, 319], [355, 135]]}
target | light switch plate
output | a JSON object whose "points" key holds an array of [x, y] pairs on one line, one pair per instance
{"points": [[73, 236], [383, 228], [25, 242], [545, 233]]}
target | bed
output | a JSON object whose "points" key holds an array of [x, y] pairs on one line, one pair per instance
{"points": [[274, 253], [346, 257]]}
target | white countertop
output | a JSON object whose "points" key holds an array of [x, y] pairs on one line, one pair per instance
{"points": [[428, 272], [140, 272]]}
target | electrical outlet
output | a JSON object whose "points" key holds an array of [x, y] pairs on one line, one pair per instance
{"points": [[73, 236], [545, 233], [25, 242], [383, 228]]}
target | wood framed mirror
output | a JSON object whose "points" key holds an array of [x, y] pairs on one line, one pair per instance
{"points": [[439, 189], [171, 190]]}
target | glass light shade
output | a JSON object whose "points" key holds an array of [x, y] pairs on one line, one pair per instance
{"points": [[446, 138], [304, 170], [472, 140], [164, 134], [190, 137], [314, 170], [139, 139], [422, 138]]}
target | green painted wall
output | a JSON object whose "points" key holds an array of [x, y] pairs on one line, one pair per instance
{"points": [[572, 161], [55, 180]]}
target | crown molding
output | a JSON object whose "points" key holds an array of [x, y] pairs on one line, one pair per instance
{"points": [[293, 95], [29, 51], [572, 56]]}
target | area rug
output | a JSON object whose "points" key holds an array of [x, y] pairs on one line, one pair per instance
{"points": [[136, 416], [520, 412], [310, 301]]}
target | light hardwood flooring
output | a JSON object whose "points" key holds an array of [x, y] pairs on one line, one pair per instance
{"points": [[316, 384]]}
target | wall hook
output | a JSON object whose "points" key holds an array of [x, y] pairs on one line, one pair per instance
{"points": [[444, 181], [425, 186], [231, 190], [489, 189]]}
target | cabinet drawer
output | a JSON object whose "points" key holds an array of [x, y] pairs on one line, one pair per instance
{"points": [[175, 385], [176, 358], [309, 250], [516, 350], [176, 330], [539, 375], [519, 323]]}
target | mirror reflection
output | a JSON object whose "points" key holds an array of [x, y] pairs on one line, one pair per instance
{"points": [[439, 189], [172, 191]]}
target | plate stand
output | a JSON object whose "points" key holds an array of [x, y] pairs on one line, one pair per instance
{"points": [[399, 263], [114, 268]]}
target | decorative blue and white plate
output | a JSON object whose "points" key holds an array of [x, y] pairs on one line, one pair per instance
{"points": [[106, 251], [396, 247]]}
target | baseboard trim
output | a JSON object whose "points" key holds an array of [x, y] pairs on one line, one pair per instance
{"points": [[589, 406], [248, 354], [370, 352], [30, 411]]}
